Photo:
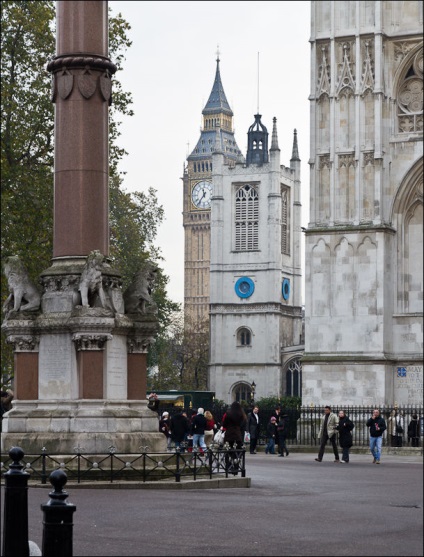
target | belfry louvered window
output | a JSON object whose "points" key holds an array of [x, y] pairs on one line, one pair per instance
{"points": [[247, 218], [285, 240]]}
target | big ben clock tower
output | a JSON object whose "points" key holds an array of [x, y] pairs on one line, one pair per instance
{"points": [[216, 132]]}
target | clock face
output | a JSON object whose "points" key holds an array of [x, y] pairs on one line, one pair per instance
{"points": [[201, 195]]}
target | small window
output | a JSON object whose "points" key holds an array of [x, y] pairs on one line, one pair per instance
{"points": [[244, 337]]}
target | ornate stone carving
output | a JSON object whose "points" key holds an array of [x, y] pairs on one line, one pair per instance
{"points": [[324, 80], [91, 283], [347, 160], [65, 83], [61, 283], [346, 82], [23, 343], [21, 288], [138, 296], [369, 158], [410, 98], [367, 82], [402, 48], [87, 84], [63, 78], [90, 341], [139, 345], [324, 162]]}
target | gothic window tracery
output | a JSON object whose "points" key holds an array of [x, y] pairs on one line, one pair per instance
{"points": [[294, 378], [247, 218], [410, 97]]}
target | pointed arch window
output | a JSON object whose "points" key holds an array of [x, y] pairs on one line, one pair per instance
{"points": [[285, 204], [410, 97], [294, 378], [247, 218]]}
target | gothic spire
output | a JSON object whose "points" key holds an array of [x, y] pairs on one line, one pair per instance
{"points": [[295, 150], [274, 140], [217, 101]]}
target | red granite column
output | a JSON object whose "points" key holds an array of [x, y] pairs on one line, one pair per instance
{"points": [[81, 92], [137, 376], [26, 375]]}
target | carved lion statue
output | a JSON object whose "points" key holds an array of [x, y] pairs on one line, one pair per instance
{"points": [[91, 283], [24, 295], [138, 296]]}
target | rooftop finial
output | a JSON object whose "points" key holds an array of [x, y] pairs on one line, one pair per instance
{"points": [[257, 112], [274, 141], [295, 151], [217, 53]]}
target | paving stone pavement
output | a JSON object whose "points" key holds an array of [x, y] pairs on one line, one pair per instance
{"points": [[295, 506]]}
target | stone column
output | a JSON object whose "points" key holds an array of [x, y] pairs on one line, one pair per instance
{"points": [[81, 91], [25, 347], [137, 368]]}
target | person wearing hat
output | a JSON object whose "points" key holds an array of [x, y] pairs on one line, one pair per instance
{"points": [[271, 432], [165, 428]]}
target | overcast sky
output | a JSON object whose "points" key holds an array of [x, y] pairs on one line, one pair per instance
{"points": [[170, 69]]}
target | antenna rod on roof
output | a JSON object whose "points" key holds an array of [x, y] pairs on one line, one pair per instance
{"points": [[258, 84]]}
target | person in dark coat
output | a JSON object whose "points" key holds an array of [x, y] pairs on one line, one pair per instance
{"points": [[414, 431], [282, 434], [164, 428], [344, 428], [180, 428], [233, 424], [253, 425]]}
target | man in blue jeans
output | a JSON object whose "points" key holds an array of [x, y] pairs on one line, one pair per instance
{"points": [[377, 427]]}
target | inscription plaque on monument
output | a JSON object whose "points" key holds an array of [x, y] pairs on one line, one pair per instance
{"points": [[116, 366], [408, 387], [57, 364]]}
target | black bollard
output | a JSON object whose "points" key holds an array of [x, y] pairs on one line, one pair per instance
{"points": [[57, 523], [15, 521]]}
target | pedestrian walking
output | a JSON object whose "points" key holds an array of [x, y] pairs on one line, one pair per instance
{"points": [[164, 427], [198, 430], [345, 427], [210, 428], [395, 428], [180, 428], [327, 431], [414, 431], [271, 433], [253, 425], [233, 424], [282, 426], [377, 426]]}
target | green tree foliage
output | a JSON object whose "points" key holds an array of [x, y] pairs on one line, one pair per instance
{"points": [[27, 124], [180, 356]]}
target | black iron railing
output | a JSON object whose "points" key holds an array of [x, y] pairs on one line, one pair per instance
{"points": [[112, 466], [304, 423]]}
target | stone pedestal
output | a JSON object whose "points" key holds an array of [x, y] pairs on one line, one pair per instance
{"points": [[80, 372]]}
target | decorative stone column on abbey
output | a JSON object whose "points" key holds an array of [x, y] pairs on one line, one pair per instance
{"points": [[81, 344]]}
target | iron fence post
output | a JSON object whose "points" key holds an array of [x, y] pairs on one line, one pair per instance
{"points": [[15, 525], [43, 464], [57, 523], [177, 471]]}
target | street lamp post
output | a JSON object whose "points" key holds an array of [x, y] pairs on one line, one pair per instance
{"points": [[252, 392]]}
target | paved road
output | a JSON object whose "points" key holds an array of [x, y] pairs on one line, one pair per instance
{"points": [[295, 506]]}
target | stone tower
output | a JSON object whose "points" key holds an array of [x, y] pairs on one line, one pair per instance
{"points": [[364, 242], [255, 315], [217, 123]]}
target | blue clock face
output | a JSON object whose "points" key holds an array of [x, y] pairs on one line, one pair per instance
{"points": [[244, 287], [285, 289]]}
